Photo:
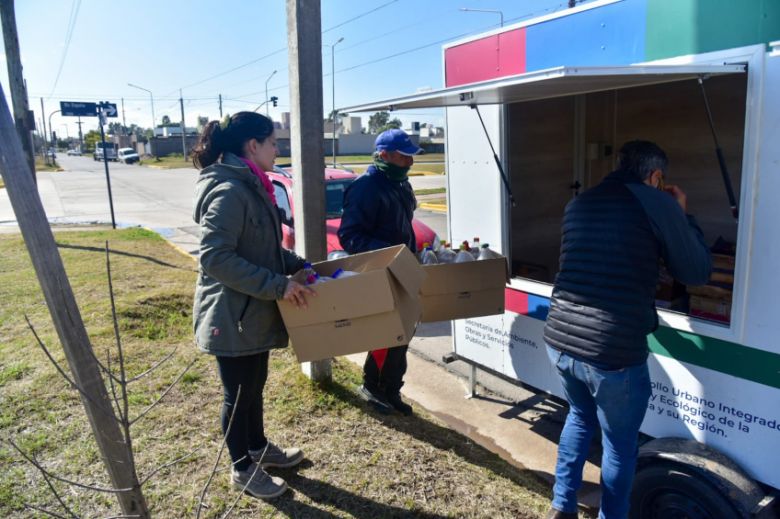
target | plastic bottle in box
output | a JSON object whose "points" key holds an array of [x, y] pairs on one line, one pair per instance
{"points": [[464, 255], [429, 257], [474, 249], [487, 253], [445, 254]]}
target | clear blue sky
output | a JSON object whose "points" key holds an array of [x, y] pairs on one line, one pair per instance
{"points": [[231, 47]]}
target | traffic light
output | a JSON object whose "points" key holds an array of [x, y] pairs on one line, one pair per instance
{"points": [[274, 99]]}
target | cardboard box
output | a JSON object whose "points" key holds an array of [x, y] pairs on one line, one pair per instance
{"points": [[378, 308], [461, 290], [712, 309]]}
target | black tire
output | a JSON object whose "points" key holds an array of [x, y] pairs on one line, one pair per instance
{"points": [[671, 491]]}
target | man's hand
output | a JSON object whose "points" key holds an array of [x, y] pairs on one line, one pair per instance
{"points": [[678, 195], [296, 293]]}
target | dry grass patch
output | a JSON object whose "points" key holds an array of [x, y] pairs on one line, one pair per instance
{"points": [[358, 464]]}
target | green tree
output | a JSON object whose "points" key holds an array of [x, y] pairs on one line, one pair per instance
{"points": [[90, 139], [166, 121], [117, 128], [381, 121], [392, 123], [377, 121]]}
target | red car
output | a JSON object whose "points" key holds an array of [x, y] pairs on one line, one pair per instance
{"points": [[336, 182]]}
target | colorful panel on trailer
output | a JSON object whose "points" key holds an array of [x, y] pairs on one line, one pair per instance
{"points": [[681, 27], [609, 35], [499, 55]]}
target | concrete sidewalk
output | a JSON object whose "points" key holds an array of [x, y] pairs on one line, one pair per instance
{"points": [[519, 425]]}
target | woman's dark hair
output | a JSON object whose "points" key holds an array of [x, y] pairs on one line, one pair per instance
{"points": [[216, 140]]}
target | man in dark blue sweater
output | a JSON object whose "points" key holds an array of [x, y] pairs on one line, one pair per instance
{"points": [[603, 307], [378, 211]]}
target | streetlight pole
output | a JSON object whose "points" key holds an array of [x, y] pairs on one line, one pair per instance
{"points": [[51, 129], [333, 97], [266, 91], [154, 121], [501, 14]]}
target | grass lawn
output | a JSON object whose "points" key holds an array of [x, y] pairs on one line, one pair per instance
{"points": [[169, 162], [430, 191], [40, 165], [437, 169], [368, 159], [359, 464], [176, 162]]}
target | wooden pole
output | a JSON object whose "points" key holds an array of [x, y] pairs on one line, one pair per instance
{"points": [[65, 313], [22, 115], [304, 43]]}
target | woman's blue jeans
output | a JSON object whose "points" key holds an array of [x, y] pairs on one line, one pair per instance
{"points": [[615, 400]]}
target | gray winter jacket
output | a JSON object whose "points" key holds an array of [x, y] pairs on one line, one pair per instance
{"points": [[242, 263]]}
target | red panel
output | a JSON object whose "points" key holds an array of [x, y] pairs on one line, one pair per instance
{"points": [[491, 57], [516, 301]]}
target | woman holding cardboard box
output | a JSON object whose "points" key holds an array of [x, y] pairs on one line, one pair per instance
{"points": [[242, 272]]}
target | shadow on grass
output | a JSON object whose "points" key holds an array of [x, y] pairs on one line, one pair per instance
{"points": [[121, 253], [447, 439], [327, 494]]}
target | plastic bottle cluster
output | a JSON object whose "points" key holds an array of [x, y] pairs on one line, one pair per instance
{"points": [[312, 277], [464, 253]]}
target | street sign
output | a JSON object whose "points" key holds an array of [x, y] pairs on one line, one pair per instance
{"points": [[75, 109], [108, 109]]}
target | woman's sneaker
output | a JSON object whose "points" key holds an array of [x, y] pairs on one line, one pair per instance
{"points": [[258, 483], [273, 456]]}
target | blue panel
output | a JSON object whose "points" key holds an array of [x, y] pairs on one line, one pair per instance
{"points": [[609, 35], [538, 307]]}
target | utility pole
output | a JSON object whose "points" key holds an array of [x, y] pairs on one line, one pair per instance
{"points": [[65, 314], [220, 107], [81, 136], [45, 148], [304, 43], [183, 128], [23, 117], [124, 122]]}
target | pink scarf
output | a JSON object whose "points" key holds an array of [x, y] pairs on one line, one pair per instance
{"points": [[259, 173]]}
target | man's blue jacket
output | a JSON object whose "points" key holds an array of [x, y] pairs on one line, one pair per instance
{"points": [[614, 236], [378, 213]]}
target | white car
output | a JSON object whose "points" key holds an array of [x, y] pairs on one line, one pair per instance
{"points": [[76, 153], [128, 155]]}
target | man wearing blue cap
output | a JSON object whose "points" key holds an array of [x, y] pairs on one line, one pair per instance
{"points": [[378, 211]]}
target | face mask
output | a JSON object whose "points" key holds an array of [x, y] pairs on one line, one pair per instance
{"points": [[392, 171]]}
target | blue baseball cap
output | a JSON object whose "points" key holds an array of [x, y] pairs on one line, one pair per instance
{"points": [[396, 140]]}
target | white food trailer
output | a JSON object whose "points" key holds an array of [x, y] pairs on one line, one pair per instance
{"points": [[534, 115]]}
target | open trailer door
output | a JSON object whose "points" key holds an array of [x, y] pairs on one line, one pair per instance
{"points": [[485, 175]]}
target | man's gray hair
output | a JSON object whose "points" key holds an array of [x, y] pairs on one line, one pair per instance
{"points": [[642, 158]]}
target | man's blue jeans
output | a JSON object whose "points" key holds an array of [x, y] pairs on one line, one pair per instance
{"points": [[616, 400]]}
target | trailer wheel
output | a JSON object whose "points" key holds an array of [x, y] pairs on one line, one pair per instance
{"points": [[670, 491]]}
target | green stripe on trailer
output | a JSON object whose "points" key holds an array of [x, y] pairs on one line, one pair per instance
{"points": [[681, 27], [726, 357]]}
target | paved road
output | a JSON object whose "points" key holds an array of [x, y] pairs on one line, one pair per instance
{"points": [[155, 198]]}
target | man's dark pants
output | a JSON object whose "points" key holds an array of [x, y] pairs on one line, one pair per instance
{"points": [[384, 369]]}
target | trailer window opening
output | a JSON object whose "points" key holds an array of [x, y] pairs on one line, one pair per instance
{"points": [[561, 146]]}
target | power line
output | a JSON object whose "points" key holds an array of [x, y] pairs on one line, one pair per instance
{"points": [[252, 62], [74, 13], [359, 16]]}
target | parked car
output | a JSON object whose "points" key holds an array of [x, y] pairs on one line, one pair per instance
{"points": [[127, 155], [336, 182], [74, 152]]}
